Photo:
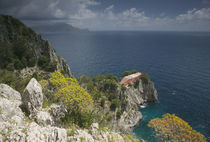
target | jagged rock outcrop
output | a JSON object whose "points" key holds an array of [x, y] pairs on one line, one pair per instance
{"points": [[33, 97], [45, 134], [44, 118], [143, 93], [9, 105], [8, 93], [15, 126], [57, 111], [95, 135], [136, 96], [94, 129]]}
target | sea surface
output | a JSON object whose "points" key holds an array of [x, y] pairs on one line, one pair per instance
{"points": [[177, 62]]}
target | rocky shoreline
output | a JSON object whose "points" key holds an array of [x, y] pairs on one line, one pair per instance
{"points": [[41, 123], [144, 93], [22, 116]]}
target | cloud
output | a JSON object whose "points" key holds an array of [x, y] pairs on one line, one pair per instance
{"points": [[81, 13], [202, 14], [133, 19], [47, 9]]}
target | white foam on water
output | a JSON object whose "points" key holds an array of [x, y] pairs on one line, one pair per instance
{"points": [[143, 106]]}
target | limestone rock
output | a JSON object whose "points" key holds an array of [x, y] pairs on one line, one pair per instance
{"points": [[115, 137], [136, 96], [45, 134], [129, 120], [81, 136], [33, 97], [94, 129], [10, 111], [10, 94], [44, 118], [58, 111], [150, 93], [16, 136]]}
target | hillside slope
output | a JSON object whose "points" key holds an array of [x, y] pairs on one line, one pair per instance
{"points": [[21, 47]]}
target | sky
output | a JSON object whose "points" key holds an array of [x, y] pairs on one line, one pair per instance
{"points": [[123, 15]]}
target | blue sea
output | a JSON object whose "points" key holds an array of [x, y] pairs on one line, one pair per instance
{"points": [[177, 62]]}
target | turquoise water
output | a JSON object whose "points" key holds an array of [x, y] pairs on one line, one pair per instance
{"points": [[178, 63], [149, 112]]}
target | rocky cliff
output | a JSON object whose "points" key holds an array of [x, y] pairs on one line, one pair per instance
{"points": [[14, 35], [40, 126], [22, 117], [119, 104], [137, 96]]}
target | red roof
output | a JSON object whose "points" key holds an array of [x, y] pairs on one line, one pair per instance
{"points": [[130, 78]]}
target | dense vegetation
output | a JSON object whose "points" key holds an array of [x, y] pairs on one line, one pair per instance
{"points": [[104, 89], [17, 47], [172, 128], [79, 103], [15, 56], [99, 102], [16, 79]]}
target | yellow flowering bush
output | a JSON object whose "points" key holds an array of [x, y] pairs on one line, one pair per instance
{"points": [[69, 92], [75, 97], [43, 83], [58, 80], [171, 128]]}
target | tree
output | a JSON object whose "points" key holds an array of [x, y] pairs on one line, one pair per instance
{"points": [[172, 128], [43, 61], [126, 73], [145, 78]]}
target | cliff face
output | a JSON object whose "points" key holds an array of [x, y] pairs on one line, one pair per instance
{"points": [[13, 31], [137, 96], [40, 126]]}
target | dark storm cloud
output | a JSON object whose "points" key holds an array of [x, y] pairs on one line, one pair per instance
{"points": [[113, 14], [31, 9]]}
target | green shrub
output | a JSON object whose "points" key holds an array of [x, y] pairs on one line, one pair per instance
{"points": [[145, 78], [43, 61], [115, 104], [45, 64], [35, 75], [63, 72], [102, 102], [82, 119], [18, 65], [124, 104], [126, 73], [10, 67], [19, 48], [98, 78], [119, 113], [46, 103], [136, 83], [51, 67], [109, 86], [32, 62], [72, 131], [123, 88], [7, 77], [112, 77]]}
